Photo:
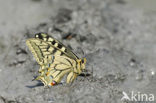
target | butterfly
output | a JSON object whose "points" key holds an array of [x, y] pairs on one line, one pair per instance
{"points": [[55, 60]]}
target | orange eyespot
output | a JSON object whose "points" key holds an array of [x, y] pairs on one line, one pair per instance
{"points": [[53, 83]]}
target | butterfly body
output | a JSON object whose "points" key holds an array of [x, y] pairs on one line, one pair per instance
{"points": [[55, 60]]}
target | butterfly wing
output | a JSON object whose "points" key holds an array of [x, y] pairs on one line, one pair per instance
{"points": [[55, 59], [61, 66], [43, 45], [56, 44]]}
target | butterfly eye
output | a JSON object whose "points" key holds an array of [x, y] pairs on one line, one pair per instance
{"points": [[82, 61]]}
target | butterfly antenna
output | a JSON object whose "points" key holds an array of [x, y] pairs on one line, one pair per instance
{"points": [[82, 51]]}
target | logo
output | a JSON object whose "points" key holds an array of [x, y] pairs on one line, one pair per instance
{"points": [[137, 97]]}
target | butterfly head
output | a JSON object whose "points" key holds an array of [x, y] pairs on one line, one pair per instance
{"points": [[83, 63]]}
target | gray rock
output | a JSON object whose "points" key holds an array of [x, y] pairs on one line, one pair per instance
{"points": [[117, 40]]}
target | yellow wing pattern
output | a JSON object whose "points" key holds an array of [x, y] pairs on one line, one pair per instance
{"points": [[55, 60]]}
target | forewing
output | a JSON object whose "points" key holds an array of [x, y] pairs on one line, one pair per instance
{"points": [[56, 44], [41, 50], [34, 46]]}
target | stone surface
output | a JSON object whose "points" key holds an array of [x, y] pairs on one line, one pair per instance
{"points": [[117, 40]]}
